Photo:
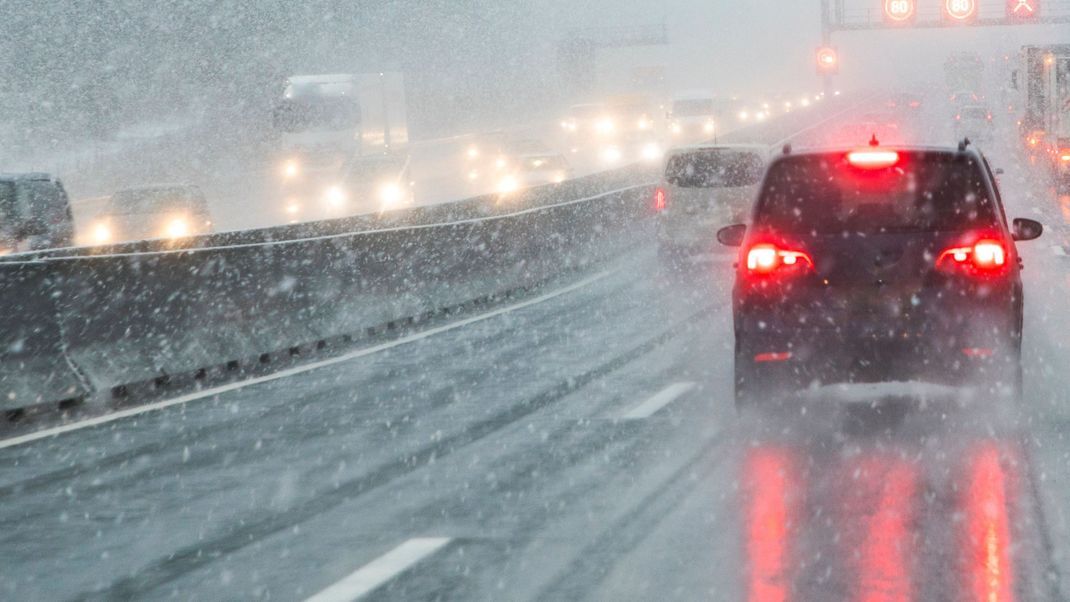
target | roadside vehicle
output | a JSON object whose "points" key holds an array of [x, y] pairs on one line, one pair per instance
{"points": [[35, 213], [878, 264], [170, 211], [703, 188], [974, 122]]}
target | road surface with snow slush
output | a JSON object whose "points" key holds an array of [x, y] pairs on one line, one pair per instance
{"points": [[580, 442]]}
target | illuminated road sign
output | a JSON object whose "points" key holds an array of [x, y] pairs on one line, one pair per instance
{"points": [[900, 12], [1023, 10], [960, 11]]}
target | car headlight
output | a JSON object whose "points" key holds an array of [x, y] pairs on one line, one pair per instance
{"points": [[335, 196], [651, 151], [390, 194], [293, 207], [291, 169], [708, 127], [645, 123], [605, 126], [559, 177], [508, 184], [472, 152], [675, 127], [177, 227], [100, 234], [611, 154]]}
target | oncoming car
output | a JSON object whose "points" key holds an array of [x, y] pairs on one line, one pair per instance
{"points": [[878, 265], [704, 188], [371, 183], [535, 169], [169, 211], [35, 213]]}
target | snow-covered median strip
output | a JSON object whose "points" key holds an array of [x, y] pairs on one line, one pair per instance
{"points": [[381, 570], [205, 393]]}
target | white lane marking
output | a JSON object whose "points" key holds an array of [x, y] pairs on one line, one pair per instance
{"points": [[659, 400], [1058, 250], [159, 405], [381, 570]]}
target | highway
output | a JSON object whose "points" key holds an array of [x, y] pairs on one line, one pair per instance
{"points": [[579, 442]]}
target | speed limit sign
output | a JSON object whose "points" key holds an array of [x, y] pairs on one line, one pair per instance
{"points": [[897, 12], [960, 11]]}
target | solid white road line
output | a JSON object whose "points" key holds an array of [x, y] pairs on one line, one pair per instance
{"points": [[659, 400], [381, 570], [159, 405]]}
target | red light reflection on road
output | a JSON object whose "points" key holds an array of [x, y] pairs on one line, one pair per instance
{"points": [[770, 491], [989, 572], [881, 494]]}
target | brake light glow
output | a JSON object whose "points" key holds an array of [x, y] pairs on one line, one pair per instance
{"points": [[985, 254], [1064, 155], [873, 159], [772, 356], [661, 199], [766, 258]]}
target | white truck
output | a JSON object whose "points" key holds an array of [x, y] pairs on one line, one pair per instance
{"points": [[1043, 80], [327, 126]]}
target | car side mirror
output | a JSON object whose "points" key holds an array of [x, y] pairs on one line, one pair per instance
{"points": [[1027, 229], [732, 236]]}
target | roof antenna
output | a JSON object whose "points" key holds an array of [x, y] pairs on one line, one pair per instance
{"points": [[873, 141], [787, 149], [962, 145]]}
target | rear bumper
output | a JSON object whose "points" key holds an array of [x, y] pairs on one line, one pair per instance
{"points": [[955, 350]]}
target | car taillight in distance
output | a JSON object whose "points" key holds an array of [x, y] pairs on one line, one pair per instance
{"points": [[986, 256], [661, 198], [1064, 155], [765, 258]]}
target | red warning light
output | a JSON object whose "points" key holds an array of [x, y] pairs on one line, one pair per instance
{"points": [[828, 61], [960, 11], [900, 12], [1023, 10]]}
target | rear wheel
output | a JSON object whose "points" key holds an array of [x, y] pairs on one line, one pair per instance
{"points": [[751, 386]]}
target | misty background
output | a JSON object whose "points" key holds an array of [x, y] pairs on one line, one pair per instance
{"points": [[85, 70]]}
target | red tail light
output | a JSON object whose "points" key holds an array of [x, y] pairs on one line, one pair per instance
{"points": [[1064, 155], [765, 258], [873, 159], [915, 104], [985, 256], [661, 199]]}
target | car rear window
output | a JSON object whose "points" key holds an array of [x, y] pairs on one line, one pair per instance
{"points": [[714, 168], [927, 192]]}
